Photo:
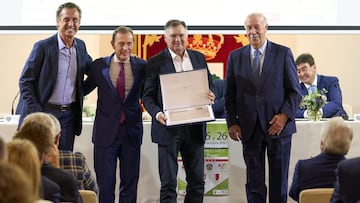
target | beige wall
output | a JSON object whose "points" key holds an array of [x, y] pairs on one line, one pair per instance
{"points": [[334, 55]]}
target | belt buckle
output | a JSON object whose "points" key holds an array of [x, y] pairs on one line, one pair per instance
{"points": [[64, 108]]}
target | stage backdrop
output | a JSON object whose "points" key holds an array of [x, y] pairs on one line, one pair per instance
{"points": [[215, 47]]}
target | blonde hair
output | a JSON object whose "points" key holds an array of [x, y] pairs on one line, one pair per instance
{"points": [[55, 125], [336, 137], [37, 127], [15, 186], [3, 154], [24, 154]]}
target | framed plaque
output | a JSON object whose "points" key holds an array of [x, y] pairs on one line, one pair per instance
{"points": [[185, 97]]}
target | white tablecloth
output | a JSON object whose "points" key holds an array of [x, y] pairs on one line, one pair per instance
{"points": [[305, 143]]}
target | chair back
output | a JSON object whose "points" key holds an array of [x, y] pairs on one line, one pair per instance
{"points": [[316, 195], [88, 196]]}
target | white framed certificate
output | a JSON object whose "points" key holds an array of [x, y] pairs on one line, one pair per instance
{"points": [[185, 97]]}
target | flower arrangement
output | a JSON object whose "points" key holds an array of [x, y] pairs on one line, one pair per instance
{"points": [[314, 102]]}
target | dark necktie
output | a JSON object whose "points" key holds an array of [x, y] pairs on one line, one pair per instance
{"points": [[120, 87], [256, 66]]}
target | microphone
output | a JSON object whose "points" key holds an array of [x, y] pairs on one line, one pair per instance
{"points": [[13, 101]]}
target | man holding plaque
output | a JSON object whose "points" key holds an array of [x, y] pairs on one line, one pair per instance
{"points": [[188, 139], [261, 97]]}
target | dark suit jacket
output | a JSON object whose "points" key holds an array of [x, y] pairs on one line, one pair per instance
{"points": [[278, 90], [39, 75], [219, 103], [316, 172], [334, 97], [347, 182], [68, 186], [152, 97], [110, 105], [50, 190]]}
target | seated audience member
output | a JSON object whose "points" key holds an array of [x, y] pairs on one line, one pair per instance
{"points": [[319, 171], [37, 127], [309, 78], [3, 154], [347, 184], [219, 102], [15, 185], [73, 162], [49, 189], [24, 154]]}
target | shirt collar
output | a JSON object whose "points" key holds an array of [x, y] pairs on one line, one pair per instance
{"points": [[173, 55], [261, 49], [61, 44], [116, 60], [314, 83]]}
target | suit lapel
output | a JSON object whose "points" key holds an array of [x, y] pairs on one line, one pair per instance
{"points": [[54, 57], [168, 65], [267, 63], [105, 72]]}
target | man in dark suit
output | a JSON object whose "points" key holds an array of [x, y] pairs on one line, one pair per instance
{"points": [[260, 104], [189, 139], [319, 171], [118, 128], [308, 77], [52, 78], [347, 182]]}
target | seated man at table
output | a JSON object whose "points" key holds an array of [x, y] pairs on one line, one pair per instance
{"points": [[319, 171], [310, 80]]}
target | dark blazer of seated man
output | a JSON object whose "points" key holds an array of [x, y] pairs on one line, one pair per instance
{"points": [[308, 77], [319, 171], [346, 187]]}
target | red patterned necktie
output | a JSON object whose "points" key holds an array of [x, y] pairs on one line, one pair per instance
{"points": [[120, 87]]}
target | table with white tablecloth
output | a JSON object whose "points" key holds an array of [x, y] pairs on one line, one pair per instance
{"points": [[305, 143]]}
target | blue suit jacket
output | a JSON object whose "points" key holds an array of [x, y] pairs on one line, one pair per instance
{"points": [[334, 97], [110, 105], [38, 77], [347, 182], [278, 90], [219, 103], [316, 172], [162, 64]]}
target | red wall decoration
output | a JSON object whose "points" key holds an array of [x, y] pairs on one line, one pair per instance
{"points": [[215, 47]]}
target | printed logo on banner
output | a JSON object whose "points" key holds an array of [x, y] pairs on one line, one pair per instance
{"points": [[216, 162]]}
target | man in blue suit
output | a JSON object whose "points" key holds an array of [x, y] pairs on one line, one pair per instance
{"points": [[53, 75], [118, 128], [260, 104], [319, 171], [346, 187], [308, 77], [189, 139]]}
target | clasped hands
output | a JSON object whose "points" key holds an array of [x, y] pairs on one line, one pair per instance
{"points": [[277, 124]]}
